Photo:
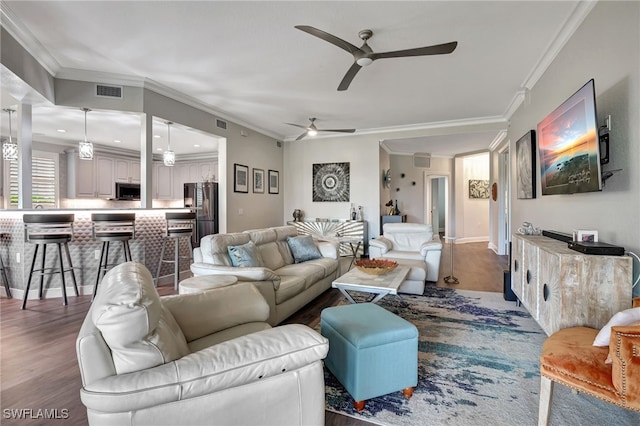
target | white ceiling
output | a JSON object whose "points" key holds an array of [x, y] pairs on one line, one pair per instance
{"points": [[247, 62]]}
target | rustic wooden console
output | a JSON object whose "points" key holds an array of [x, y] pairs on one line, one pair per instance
{"points": [[563, 288]]}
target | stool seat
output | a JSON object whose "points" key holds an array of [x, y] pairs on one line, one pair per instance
{"points": [[372, 352], [43, 229], [108, 227]]}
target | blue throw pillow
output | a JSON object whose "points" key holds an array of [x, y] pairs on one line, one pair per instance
{"points": [[245, 255], [303, 248]]}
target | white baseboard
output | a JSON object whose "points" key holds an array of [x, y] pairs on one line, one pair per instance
{"points": [[493, 247], [465, 240]]}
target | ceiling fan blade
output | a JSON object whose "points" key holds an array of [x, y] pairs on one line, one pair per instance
{"points": [[297, 125], [338, 130], [348, 77], [301, 136], [345, 45], [438, 49]]}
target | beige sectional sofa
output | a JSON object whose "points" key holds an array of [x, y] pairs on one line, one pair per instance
{"points": [[287, 286]]}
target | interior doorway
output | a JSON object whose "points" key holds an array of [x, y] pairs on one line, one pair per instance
{"points": [[504, 201], [436, 212]]}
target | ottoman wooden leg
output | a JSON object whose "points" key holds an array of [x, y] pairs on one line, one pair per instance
{"points": [[407, 392], [358, 405]]}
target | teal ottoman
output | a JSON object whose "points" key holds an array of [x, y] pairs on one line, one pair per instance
{"points": [[372, 352]]}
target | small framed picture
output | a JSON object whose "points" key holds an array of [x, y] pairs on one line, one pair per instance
{"points": [[240, 178], [585, 236], [258, 181], [274, 182]]}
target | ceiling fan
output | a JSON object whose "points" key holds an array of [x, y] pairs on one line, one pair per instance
{"points": [[312, 130], [364, 56]]}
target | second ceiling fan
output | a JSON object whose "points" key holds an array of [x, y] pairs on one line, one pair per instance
{"points": [[363, 56], [312, 130]]}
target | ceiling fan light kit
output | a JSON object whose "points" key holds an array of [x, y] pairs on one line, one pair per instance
{"points": [[364, 55], [312, 130]]}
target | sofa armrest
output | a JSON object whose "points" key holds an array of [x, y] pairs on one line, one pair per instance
{"points": [[430, 245], [243, 274], [197, 255], [237, 362], [209, 312], [328, 249], [624, 349]]}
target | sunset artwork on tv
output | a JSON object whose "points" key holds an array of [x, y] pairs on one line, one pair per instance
{"points": [[568, 146]]}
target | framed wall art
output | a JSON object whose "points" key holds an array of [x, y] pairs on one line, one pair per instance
{"points": [[240, 178], [274, 182], [331, 182], [526, 165], [478, 188], [258, 181]]}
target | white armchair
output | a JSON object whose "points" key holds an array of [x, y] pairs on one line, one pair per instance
{"points": [[410, 244], [194, 359]]}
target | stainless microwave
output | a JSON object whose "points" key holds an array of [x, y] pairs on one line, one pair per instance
{"points": [[128, 191]]}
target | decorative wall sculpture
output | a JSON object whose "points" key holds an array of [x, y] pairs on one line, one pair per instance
{"points": [[331, 182]]}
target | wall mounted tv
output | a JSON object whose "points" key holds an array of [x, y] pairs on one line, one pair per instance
{"points": [[568, 146]]}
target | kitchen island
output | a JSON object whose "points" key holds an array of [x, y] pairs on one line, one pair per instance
{"points": [[85, 252]]}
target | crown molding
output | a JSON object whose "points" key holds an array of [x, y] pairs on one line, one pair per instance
{"points": [[571, 24], [497, 140], [27, 40]]}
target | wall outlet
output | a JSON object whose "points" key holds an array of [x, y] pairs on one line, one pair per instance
{"points": [[96, 253], [18, 257]]}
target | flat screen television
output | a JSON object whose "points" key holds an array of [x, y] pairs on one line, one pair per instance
{"points": [[568, 146]]}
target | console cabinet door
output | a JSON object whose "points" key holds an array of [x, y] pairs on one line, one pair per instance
{"points": [[550, 293], [530, 278], [517, 260]]}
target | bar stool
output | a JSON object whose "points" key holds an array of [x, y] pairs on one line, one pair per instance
{"points": [[108, 227], [43, 229], [178, 225]]}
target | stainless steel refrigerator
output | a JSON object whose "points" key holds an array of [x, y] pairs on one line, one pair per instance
{"points": [[202, 198]]}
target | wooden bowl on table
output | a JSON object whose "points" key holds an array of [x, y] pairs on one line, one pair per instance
{"points": [[375, 266]]}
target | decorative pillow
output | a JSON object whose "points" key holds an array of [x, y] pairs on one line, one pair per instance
{"points": [[245, 256], [626, 317], [303, 248]]}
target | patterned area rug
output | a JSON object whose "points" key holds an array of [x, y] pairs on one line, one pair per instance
{"points": [[478, 364]]}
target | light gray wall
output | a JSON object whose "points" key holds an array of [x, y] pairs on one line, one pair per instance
{"points": [[605, 47]]}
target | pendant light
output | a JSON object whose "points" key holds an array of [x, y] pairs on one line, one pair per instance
{"points": [[169, 157], [85, 148], [10, 149]]}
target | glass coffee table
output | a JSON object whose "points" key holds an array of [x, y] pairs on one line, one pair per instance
{"points": [[380, 285]]}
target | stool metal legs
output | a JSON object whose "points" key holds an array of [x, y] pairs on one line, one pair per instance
{"points": [[42, 272], [5, 279], [176, 259], [104, 261]]}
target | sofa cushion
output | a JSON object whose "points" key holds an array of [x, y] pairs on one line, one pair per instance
{"points": [[140, 332], [404, 254], [271, 255], [214, 247], [245, 255], [282, 232], [290, 286], [626, 317], [309, 272], [329, 265], [303, 248]]}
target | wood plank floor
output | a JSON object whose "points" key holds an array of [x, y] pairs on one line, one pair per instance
{"points": [[38, 364]]}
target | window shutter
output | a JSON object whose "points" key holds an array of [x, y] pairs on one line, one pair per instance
{"points": [[43, 191]]}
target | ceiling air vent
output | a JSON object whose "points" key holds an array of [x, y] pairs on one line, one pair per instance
{"points": [[221, 124], [421, 160], [104, 91]]}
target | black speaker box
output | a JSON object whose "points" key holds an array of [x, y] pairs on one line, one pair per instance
{"points": [[509, 295]]}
